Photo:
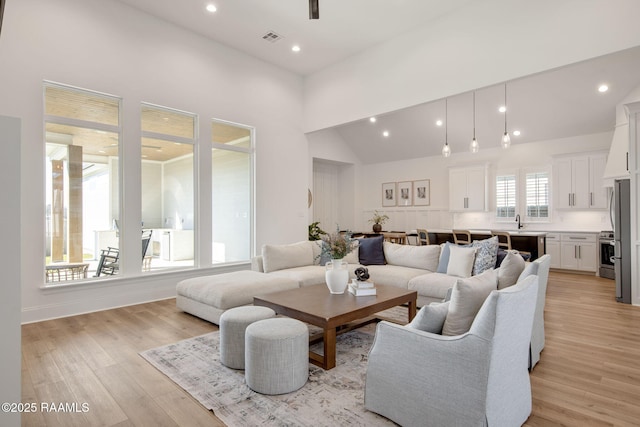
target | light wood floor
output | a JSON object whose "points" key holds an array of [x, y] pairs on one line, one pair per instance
{"points": [[589, 373]]}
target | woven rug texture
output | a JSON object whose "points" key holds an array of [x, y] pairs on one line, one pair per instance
{"points": [[329, 398]]}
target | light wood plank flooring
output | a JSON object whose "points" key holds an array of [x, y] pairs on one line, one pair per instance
{"points": [[589, 374]]}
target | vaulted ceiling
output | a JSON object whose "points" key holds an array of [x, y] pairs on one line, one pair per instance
{"points": [[554, 104]]}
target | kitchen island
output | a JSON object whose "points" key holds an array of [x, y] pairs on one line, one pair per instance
{"points": [[534, 242]]}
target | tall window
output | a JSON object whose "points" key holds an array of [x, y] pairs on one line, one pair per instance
{"points": [[168, 138], [537, 194], [232, 198], [506, 196], [82, 135]]}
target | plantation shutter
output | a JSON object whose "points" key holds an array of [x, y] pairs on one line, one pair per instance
{"points": [[506, 196], [537, 188]]}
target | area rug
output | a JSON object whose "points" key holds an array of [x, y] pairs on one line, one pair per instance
{"points": [[329, 398]]}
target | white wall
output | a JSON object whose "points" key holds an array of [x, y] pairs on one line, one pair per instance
{"points": [[437, 168], [484, 43], [109, 47], [10, 257], [327, 146]]}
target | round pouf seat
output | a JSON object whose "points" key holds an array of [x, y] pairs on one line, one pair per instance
{"points": [[276, 355], [233, 324]]}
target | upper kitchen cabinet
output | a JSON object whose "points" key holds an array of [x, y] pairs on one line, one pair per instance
{"points": [[468, 189], [579, 182]]}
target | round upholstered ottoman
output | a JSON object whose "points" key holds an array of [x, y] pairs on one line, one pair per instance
{"points": [[276, 355], [233, 324]]}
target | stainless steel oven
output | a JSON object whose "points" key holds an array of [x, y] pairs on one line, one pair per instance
{"points": [[606, 251]]}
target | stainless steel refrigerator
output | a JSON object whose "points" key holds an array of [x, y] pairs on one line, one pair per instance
{"points": [[621, 218]]}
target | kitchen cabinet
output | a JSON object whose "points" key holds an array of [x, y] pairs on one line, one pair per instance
{"points": [[578, 251], [598, 193], [578, 182], [468, 189], [553, 249]]}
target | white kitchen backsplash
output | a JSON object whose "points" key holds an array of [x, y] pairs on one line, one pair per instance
{"points": [[560, 221]]}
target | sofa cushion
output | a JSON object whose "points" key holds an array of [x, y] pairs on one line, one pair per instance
{"points": [[370, 251], [461, 261], [486, 254], [467, 297], [510, 269], [424, 257], [432, 285], [393, 275], [305, 276], [431, 318], [228, 290], [279, 257]]}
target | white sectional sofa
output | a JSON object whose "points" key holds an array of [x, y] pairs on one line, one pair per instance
{"points": [[404, 266], [431, 270]]}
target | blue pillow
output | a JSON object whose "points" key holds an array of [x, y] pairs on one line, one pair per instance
{"points": [[444, 258], [370, 251]]}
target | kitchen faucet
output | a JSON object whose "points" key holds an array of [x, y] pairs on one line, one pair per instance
{"points": [[520, 225]]}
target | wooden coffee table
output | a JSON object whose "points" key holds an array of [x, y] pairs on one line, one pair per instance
{"points": [[335, 313]]}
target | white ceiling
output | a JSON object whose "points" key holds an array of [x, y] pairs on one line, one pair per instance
{"points": [[345, 27], [554, 104]]}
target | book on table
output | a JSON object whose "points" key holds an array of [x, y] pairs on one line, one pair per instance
{"points": [[360, 288]]}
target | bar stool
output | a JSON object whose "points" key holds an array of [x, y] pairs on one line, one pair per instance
{"points": [[461, 237], [423, 237], [504, 241]]}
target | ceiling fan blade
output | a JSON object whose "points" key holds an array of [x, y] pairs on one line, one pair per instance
{"points": [[314, 9]]}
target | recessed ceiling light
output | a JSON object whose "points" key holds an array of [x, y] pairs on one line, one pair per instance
{"points": [[516, 133], [385, 133], [603, 88], [295, 48], [211, 8], [372, 119], [439, 123], [502, 109]]}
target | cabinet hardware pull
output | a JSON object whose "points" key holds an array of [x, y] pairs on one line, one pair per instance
{"points": [[577, 238], [591, 199], [575, 252]]}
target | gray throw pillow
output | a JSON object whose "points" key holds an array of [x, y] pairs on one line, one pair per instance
{"points": [[431, 318], [467, 297], [510, 269]]}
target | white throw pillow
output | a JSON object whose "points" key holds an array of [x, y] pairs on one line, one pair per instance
{"points": [[460, 261], [431, 317], [467, 296], [512, 266], [424, 257], [279, 257]]}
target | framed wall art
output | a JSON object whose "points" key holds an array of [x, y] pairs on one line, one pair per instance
{"points": [[389, 194], [405, 193], [422, 192]]}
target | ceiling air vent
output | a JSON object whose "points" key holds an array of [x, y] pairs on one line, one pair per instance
{"points": [[272, 37]]}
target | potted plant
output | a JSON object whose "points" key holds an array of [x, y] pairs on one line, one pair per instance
{"points": [[337, 246], [315, 232], [378, 221]]}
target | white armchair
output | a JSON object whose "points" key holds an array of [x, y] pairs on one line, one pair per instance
{"points": [[418, 378]]}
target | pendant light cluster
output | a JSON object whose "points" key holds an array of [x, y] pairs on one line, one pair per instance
{"points": [[474, 146]]}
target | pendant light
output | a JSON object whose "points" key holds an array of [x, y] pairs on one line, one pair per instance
{"points": [[506, 139], [446, 150], [474, 146]]}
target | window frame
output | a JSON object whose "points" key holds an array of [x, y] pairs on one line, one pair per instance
{"points": [[252, 178], [86, 124], [536, 170], [501, 173]]}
